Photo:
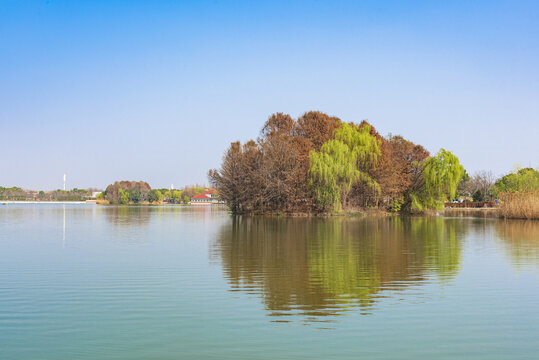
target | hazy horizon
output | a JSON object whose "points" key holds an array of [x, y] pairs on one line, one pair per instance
{"points": [[106, 91]]}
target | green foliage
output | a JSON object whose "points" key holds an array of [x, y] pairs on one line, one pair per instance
{"points": [[364, 146], [135, 195], [12, 193], [155, 196], [343, 162], [440, 176], [176, 196], [526, 179], [19, 194], [333, 172], [396, 206], [191, 191], [136, 191], [123, 197], [477, 196]]}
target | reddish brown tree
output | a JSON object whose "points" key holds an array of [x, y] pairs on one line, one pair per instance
{"points": [[317, 128], [408, 158], [138, 189], [238, 180], [271, 174]]}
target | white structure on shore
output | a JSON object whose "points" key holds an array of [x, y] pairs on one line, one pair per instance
{"points": [[207, 198], [65, 181]]}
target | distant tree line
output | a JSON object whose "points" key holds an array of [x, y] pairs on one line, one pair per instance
{"points": [[317, 163], [120, 192], [522, 180], [14, 193], [183, 196], [140, 192], [516, 194], [483, 186], [19, 194]]}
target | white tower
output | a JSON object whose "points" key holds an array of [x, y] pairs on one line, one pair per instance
{"points": [[64, 182], [171, 186]]}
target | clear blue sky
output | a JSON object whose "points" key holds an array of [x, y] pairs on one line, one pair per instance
{"points": [[156, 90]]}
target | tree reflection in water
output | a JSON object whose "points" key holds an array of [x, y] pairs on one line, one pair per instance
{"points": [[316, 267], [521, 239], [127, 215]]}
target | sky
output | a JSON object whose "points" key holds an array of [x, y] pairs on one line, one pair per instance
{"points": [[157, 90]]}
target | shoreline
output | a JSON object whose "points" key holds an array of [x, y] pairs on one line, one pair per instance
{"points": [[45, 202], [490, 212]]}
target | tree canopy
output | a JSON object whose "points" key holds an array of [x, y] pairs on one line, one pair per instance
{"points": [[341, 163], [438, 181], [123, 192], [526, 179], [317, 163]]}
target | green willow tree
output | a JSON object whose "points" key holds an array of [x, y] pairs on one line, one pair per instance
{"points": [[437, 182], [123, 197], [155, 196], [343, 162]]}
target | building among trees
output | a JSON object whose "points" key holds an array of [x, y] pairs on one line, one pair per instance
{"points": [[208, 197]]}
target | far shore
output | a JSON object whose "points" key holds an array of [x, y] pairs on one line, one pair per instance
{"points": [[492, 212], [471, 209], [45, 202]]}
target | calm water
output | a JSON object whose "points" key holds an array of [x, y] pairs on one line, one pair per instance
{"points": [[88, 282]]}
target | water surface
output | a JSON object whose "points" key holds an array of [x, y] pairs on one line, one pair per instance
{"points": [[171, 282]]}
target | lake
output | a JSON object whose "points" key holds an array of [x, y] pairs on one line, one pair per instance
{"points": [[174, 282]]}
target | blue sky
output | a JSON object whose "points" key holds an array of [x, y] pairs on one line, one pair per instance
{"points": [[156, 90]]}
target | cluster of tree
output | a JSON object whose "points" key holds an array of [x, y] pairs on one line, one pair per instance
{"points": [[131, 192], [182, 196], [477, 187], [526, 180], [64, 195], [138, 192], [519, 194], [13, 193], [19, 194], [483, 186], [317, 163], [171, 196]]}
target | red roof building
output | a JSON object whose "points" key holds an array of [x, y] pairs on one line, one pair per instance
{"points": [[207, 198]]}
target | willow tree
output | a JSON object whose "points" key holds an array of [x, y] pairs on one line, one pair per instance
{"points": [[437, 182], [343, 162]]}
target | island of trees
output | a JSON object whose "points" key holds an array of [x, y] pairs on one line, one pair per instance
{"points": [[320, 164]]}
